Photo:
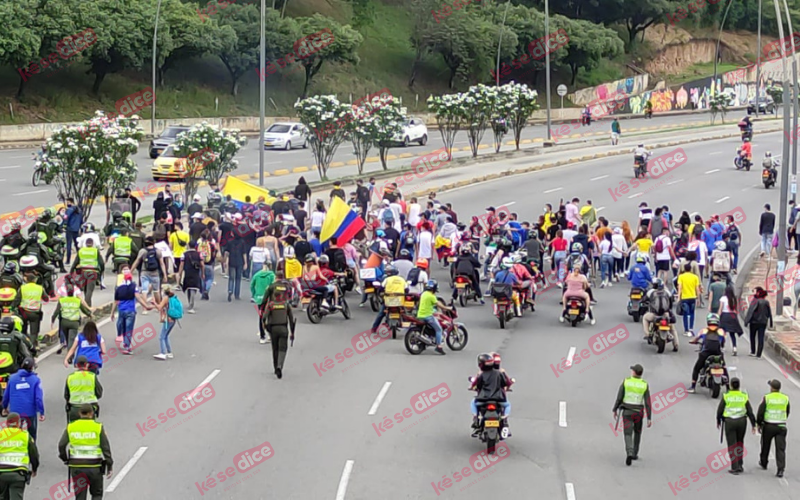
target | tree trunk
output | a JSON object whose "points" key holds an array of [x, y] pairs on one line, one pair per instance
{"points": [[574, 68], [451, 81], [98, 81], [414, 69], [20, 88], [384, 150], [235, 87]]}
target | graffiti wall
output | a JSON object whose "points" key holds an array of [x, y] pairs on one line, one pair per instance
{"points": [[628, 86]]}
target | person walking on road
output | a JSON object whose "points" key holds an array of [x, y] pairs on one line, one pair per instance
{"points": [[126, 295], [82, 387], [30, 308], [758, 315], [24, 395], [191, 274], [733, 411], [90, 267], [616, 131], [171, 311], [771, 419], [689, 289], [258, 288], [68, 311], [633, 398], [235, 266], [90, 345], [85, 449], [766, 228], [276, 313], [19, 459]]}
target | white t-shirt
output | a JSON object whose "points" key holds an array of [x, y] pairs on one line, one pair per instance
{"points": [[414, 209], [317, 219], [396, 210], [723, 302], [605, 247], [702, 251], [425, 240], [568, 235], [420, 286], [258, 255], [666, 244], [620, 245], [89, 236]]}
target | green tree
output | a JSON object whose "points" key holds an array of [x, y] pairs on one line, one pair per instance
{"points": [[516, 106], [719, 105], [20, 40], [371, 124], [389, 117], [588, 44], [636, 15], [449, 118], [342, 50], [478, 107], [324, 116]]}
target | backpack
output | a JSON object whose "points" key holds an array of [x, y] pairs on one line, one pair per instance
{"points": [[388, 215], [660, 303], [151, 261], [721, 261], [660, 244], [413, 276], [338, 260], [175, 308], [276, 309]]}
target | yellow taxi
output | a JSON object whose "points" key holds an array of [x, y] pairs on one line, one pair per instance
{"points": [[170, 166]]}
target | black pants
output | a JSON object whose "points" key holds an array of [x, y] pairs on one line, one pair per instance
{"points": [[777, 431], [632, 428], [701, 361], [82, 475], [31, 324], [735, 429], [757, 330], [12, 485], [279, 335]]}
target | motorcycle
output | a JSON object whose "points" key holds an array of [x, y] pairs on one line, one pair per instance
{"points": [[316, 309], [503, 305], [586, 120], [465, 290], [492, 426], [741, 161], [660, 333], [714, 375], [395, 307], [640, 166], [648, 113], [746, 134], [767, 177], [637, 304], [10, 254], [371, 288], [575, 312], [30, 264], [39, 169], [420, 335]]}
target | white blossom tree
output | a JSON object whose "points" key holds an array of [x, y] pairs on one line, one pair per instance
{"points": [[477, 108], [389, 118], [449, 117], [326, 119], [516, 105]]}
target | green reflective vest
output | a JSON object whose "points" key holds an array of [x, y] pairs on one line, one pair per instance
{"points": [[776, 408], [84, 443], [89, 256], [634, 391], [122, 246], [70, 308], [735, 404], [31, 296], [81, 386], [14, 449]]}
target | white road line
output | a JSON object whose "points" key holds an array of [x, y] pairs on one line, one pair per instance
{"points": [[598, 178], [674, 182], [635, 195], [31, 192], [11, 166], [348, 468], [124, 472], [716, 153], [507, 204], [723, 199], [204, 382], [553, 190], [570, 491], [562, 414], [570, 356], [712, 171], [601, 208], [374, 409]]}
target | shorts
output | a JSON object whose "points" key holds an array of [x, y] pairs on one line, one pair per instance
{"points": [[662, 265], [150, 281]]}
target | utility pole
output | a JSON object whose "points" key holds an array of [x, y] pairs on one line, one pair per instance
{"points": [[155, 37], [794, 99], [547, 60], [758, 59], [262, 97]]}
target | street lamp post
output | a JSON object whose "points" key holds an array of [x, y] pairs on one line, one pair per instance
{"points": [[719, 38], [794, 95], [499, 44], [155, 35], [262, 96], [547, 61]]}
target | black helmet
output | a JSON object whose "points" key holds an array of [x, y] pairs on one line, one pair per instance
{"points": [[466, 249], [117, 214], [7, 325], [485, 361], [432, 285], [391, 271], [10, 268], [324, 259], [461, 226], [27, 364], [405, 254], [310, 258]]}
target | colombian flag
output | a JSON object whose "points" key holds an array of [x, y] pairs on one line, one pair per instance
{"points": [[341, 221], [238, 189]]}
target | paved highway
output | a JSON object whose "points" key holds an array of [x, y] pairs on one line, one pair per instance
{"points": [[321, 425]]}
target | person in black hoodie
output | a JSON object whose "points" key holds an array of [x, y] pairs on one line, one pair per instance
{"points": [[136, 205], [362, 196], [159, 206], [766, 228], [468, 265], [758, 315], [490, 385], [302, 191], [195, 207]]}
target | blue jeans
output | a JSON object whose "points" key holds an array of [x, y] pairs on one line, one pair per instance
{"points": [[125, 324], [209, 282], [166, 328], [558, 258], [379, 318], [734, 246], [72, 237], [506, 407], [606, 266], [766, 243], [688, 313], [234, 281], [254, 268], [434, 323]]}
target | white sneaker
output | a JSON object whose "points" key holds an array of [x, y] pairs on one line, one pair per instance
{"points": [[191, 311], [593, 321], [161, 357], [262, 341], [144, 313], [561, 318], [169, 355]]}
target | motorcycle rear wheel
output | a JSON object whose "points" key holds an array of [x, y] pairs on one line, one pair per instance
{"points": [[661, 344], [715, 388], [374, 304], [37, 177], [313, 312], [462, 299], [413, 344], [502, 318], [345, 309]]}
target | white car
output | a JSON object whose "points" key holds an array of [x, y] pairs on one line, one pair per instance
{"points": [[286, 135], [414, 130]]}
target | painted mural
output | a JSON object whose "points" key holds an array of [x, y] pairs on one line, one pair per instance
{"points": [[629, 86]]}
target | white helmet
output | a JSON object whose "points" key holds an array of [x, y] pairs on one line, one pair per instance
{"points": [[720, 245], [517, 258], [768, 154], [288, 252], [507, 263]]}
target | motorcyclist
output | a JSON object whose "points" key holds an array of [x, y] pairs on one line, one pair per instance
{"points": [[468, 265], [770, 163], [90, 267], [46, 224], [428, 303], [523, 275], [403, 263], [89, 232], [639, 274], [10, 278], [123, 249], [313, 279], [393, 285], [713, 341], [14, 347], [44, 268], [648, 107], [660, 302], [491, 385], [586, 115], [577, 286], [331, 275], [116, 225], [505, 279], [747, 150], [14, 237], [641, 154], [746, 126]]}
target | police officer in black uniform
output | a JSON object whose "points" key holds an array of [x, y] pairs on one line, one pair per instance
{"points": [[771, 419], [733, 411], [276, 315], [633, 398]]}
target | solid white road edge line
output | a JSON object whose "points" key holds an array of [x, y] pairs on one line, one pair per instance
{"points": [[674, 182], [553, 190], [125, 470], [635, 195], [570, 356], [348, 468], [723, 199], [712, 171], [562, 414], [31, 192], [374, 408], [203, 383], [598, 178], [570, 491]]}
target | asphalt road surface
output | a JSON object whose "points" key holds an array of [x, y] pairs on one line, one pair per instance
{"points": [[322, 425], [16, 164]]}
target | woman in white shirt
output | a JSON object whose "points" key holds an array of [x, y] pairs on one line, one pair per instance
{"points": [[414, 209], [258, 255], [606, 260], [318, 216], [728, 315], [166, 254], [619, 250]]}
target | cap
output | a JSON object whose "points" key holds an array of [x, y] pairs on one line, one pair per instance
{"points": [[13, 417], [775, 384], [196, 197], [198, 215], [238, 216], [337, 183], [85, 408], [386, 202], [490, 209], [81, 359], [637, 369]]}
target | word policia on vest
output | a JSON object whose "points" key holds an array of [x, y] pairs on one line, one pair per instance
{"points": [[243, 461], [659, 402]]}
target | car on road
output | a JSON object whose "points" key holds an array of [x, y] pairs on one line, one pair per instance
{"points": [[286, 135], [765, 105], [414, 130], [167, 137], [170, 166]]}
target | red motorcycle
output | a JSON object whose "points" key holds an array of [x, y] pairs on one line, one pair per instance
{"points": [[421, 335]]}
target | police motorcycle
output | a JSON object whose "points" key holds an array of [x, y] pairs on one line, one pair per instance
{"points": [[51, 237], [11, 244], [115, 227], [769, 174], [491, 425], [35, 260]]}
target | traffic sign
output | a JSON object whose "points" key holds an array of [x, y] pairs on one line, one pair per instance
{"points": [[562, 90]]}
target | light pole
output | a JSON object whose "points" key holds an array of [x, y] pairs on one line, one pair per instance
{"points": [[262, 96], [719, 37], [794, 95], [758, 60], [499, 43], [155, 35], [547, 60]]}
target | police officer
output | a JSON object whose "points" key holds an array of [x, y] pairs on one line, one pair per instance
{"points": [[733, 411], [14, 343], [276, 313], [85, 449], [82, 388], [771, 419], [19, 459], [10, 278], [30, 308], [633, 398], [90, 266], [122, 249], [69, 311]]}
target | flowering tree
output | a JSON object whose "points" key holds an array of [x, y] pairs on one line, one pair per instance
{"points": [[207, 152], [325, 117], [477, 107], [390, 119], [515, 105], [718, 104], [371, 124], [92, 159], [449, 117]]}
